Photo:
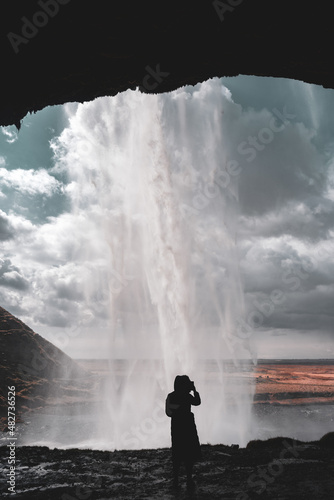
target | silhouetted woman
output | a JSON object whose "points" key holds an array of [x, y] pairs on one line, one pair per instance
{"points": [[185, 443]]}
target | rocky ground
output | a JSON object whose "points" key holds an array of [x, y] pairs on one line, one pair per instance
{"points": [[279, 468]]}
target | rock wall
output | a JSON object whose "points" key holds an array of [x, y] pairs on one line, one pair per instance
{"points": [[56, 51]]}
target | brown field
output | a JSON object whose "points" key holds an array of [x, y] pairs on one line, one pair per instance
{"points": [[288, 382], [294, 383]]}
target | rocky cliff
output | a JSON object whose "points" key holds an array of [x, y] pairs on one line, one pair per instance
{"points": [[36, 368], [56, 51]]}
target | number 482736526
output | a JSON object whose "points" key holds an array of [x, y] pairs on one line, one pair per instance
{"points": [[11, 409]]}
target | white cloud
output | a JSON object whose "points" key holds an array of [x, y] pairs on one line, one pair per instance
{"points": [[10, 134], [30, 181], [310, 220], [64, 267], [14, 226]]}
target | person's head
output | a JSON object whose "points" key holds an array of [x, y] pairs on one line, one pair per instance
{"points": [[182, 383]]}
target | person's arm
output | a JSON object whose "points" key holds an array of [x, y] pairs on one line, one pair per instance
{"points": [[196, 398]]}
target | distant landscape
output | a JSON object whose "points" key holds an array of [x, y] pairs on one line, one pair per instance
{"points": [[295, 396], [278, 381]]}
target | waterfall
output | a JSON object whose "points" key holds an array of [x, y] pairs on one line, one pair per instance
{"points": [[153, 174]]}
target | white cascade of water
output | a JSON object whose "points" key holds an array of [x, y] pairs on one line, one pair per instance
{"points": [[150, 170]]}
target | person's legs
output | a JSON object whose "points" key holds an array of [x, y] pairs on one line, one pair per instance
{"points": [[189, 471], [176, 469]]}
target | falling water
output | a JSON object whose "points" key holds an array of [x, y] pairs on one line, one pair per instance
{"points": [[154, 174]]}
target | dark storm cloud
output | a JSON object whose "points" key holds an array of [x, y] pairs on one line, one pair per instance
{"points": [[287, 169], [313, 311], [6, 231], [311, 220], [11, 277], [289, 292]]}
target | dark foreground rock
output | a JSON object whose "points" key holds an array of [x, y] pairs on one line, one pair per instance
{"points": [[278, 468]]}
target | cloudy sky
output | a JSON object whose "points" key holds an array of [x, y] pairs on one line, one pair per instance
{"points": [[57, 225]]}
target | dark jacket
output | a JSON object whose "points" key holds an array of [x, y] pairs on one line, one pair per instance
{"points": [[180, 404]]}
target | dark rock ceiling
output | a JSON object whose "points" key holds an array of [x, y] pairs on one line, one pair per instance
{"points": [[56, 51]]}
